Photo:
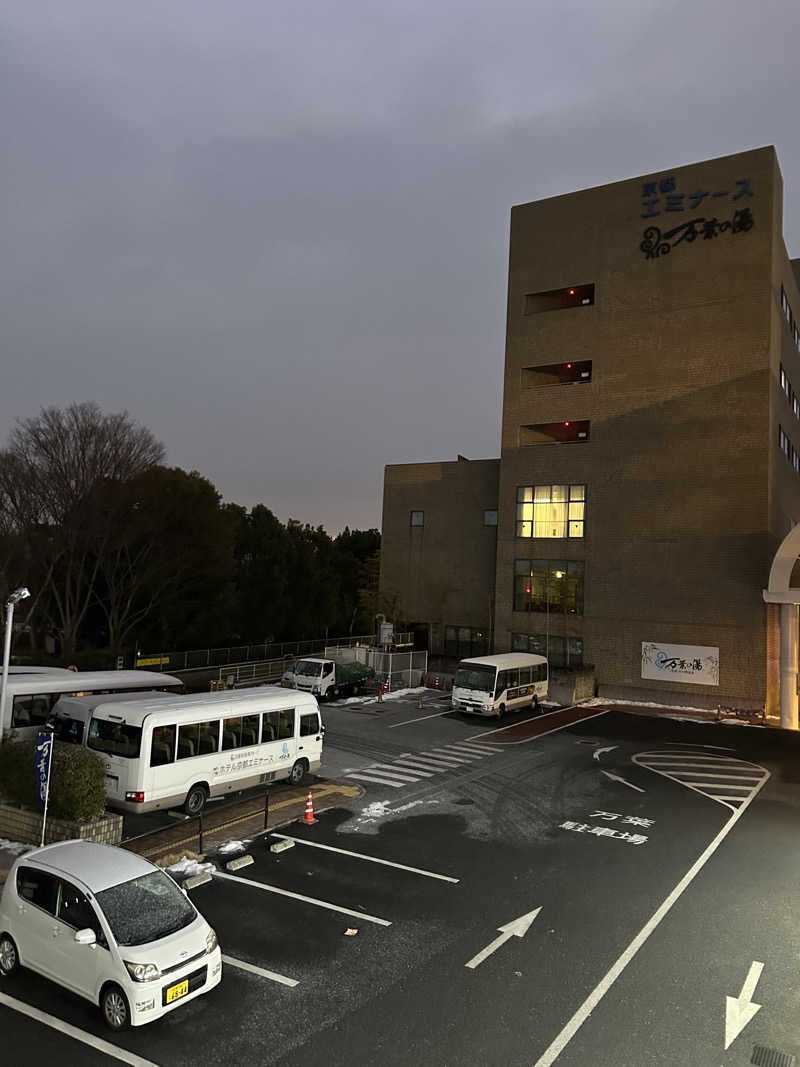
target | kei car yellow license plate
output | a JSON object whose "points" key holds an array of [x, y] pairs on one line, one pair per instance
{"points": [[175, 992]]}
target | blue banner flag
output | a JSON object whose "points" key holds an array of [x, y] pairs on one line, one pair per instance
{"points": [[44, 756]]}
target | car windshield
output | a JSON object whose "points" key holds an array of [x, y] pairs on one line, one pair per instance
{"points": [[115, 738], [475, 677], [307, 667], [145, 909]]}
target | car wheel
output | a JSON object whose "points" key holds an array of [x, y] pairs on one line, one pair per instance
{"points": [[501, 711], [114, 1006], [297, 772], [195, 800], [9, 957]]}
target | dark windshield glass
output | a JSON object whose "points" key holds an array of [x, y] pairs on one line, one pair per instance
{"points": [[475, 677], [70, 730], [115, 738], [145, 909], [307, 668]]}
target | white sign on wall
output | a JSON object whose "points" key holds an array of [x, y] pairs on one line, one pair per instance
{"points": [[680, 663]]}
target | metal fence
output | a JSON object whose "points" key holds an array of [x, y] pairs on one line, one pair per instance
{"points": [[396, 670], [240, 654]]}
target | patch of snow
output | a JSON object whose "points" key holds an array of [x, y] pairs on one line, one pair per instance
{"points": [[382, 809], [600, 701], [188, 868], [374, 700], [736, 722], [16, 848], [233, 846]]}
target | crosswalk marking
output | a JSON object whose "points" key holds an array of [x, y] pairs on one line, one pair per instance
{"points": [[720, 778], [411, 767]]}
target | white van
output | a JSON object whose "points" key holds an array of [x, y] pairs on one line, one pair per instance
{"points": [[110, 926], [159, 753], [30, 697], [492, 685]]}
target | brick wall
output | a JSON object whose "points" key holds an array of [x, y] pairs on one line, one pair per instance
{"points": [[16, 824]]}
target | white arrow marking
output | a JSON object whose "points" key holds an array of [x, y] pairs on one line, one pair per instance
{"points": [[517, 928], [599, 752], [616, 778], [740, 1010]]}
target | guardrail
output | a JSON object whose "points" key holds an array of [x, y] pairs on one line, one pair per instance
{"points": [[197, 659]]}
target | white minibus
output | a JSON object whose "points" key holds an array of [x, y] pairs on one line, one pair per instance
{"points": [[492, 685], [30, 698], [159, 753]]}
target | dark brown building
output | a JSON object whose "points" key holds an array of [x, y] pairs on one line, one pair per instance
{"points": [[650, 460]]}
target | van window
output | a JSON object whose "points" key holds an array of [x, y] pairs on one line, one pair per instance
{"points": [[270, 726], [163, 748], [198, 739], [540, 672], [524, 675], [309, 725], [231, 733], [75, 910], [33, 709], [38, 887], [115, 738], [249, 730], [286, 725]]}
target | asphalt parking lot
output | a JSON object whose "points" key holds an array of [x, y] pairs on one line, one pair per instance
{"points": [[577, 888]]}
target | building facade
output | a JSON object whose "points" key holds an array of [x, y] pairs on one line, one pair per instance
{"points": [[650, 457]]}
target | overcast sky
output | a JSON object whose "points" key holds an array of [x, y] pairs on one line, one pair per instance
{"points": [[277, 233]]}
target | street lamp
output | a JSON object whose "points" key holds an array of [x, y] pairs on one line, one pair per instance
{"points": [[19, 594]]}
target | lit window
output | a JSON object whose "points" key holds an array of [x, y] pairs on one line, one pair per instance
{"points": [[551, 510], [490, 517], [417, 518], [560, 651], [549, 586], [573, 296]]}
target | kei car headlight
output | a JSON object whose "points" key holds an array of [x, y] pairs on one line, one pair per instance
{"points": [[143, 972], [211, 941]]}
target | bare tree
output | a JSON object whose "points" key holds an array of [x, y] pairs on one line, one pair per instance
{"points": [[58, 477]]}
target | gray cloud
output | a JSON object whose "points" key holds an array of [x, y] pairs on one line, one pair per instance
{"points": [[277, 234]]}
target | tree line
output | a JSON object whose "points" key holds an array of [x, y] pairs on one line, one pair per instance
{"points": [[119, 549]]}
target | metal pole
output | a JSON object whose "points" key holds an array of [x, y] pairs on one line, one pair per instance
{"points": [[266, 809], [6, 658]]}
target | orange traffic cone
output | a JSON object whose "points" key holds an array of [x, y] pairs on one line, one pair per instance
{"points": [[308, 818]]}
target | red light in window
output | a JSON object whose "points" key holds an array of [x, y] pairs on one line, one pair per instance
{"points": [[566, 424], [569, 366], [527, 589], [572, 292]]}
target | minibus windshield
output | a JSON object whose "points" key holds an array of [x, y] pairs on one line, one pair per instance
{"points": [[475, 677], [145, 909], [115, 738]]}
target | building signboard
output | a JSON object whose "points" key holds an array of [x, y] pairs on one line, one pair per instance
{"points": [[698, 664], [662, 198]]}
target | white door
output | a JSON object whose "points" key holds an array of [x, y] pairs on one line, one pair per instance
{"points": [[77, 965], [37, 893]]}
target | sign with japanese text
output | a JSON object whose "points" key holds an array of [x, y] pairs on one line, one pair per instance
{"points": [[662, 199], [44, 757], [698, 664]]}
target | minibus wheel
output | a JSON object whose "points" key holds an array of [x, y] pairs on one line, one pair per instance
{"points": [[297, 772], [501, 711], [195, 800], [9, 957]]}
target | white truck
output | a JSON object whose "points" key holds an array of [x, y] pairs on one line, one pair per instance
{"points": [[326, 678]]}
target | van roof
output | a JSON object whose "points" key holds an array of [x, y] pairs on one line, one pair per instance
{"points": [[505, 661], [265, 698], [81, 681], [98, 867]]}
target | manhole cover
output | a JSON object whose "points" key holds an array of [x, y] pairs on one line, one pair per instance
{"points": [[772, 1057]]}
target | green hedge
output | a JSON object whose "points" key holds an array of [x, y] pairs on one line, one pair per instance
{"points": [[77, 780]]}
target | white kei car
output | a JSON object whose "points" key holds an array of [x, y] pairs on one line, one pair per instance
{"points": [[110, 926]]}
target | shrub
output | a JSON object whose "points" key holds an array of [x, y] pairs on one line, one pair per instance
{"points": [[77, 780]]}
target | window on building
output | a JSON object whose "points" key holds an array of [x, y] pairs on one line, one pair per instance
{"points": [[551, 510], [417, 518], [560, 651], [461, 642], [490, 517], [554, 433], [553, 586], [573, 296], [557, 374]]}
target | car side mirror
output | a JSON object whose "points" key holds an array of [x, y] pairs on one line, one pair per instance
{"points": [[86, 937]]}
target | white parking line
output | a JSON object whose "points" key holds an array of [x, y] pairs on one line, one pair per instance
{"points": [[419, 718], [369, 859], [73, 1031], [306, 900], [272, 975]]}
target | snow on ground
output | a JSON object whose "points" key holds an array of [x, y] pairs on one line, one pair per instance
{"points": [[16, 848], [381, 809], [233, 846], [372, 699], [187, 868], [600, 701]]}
